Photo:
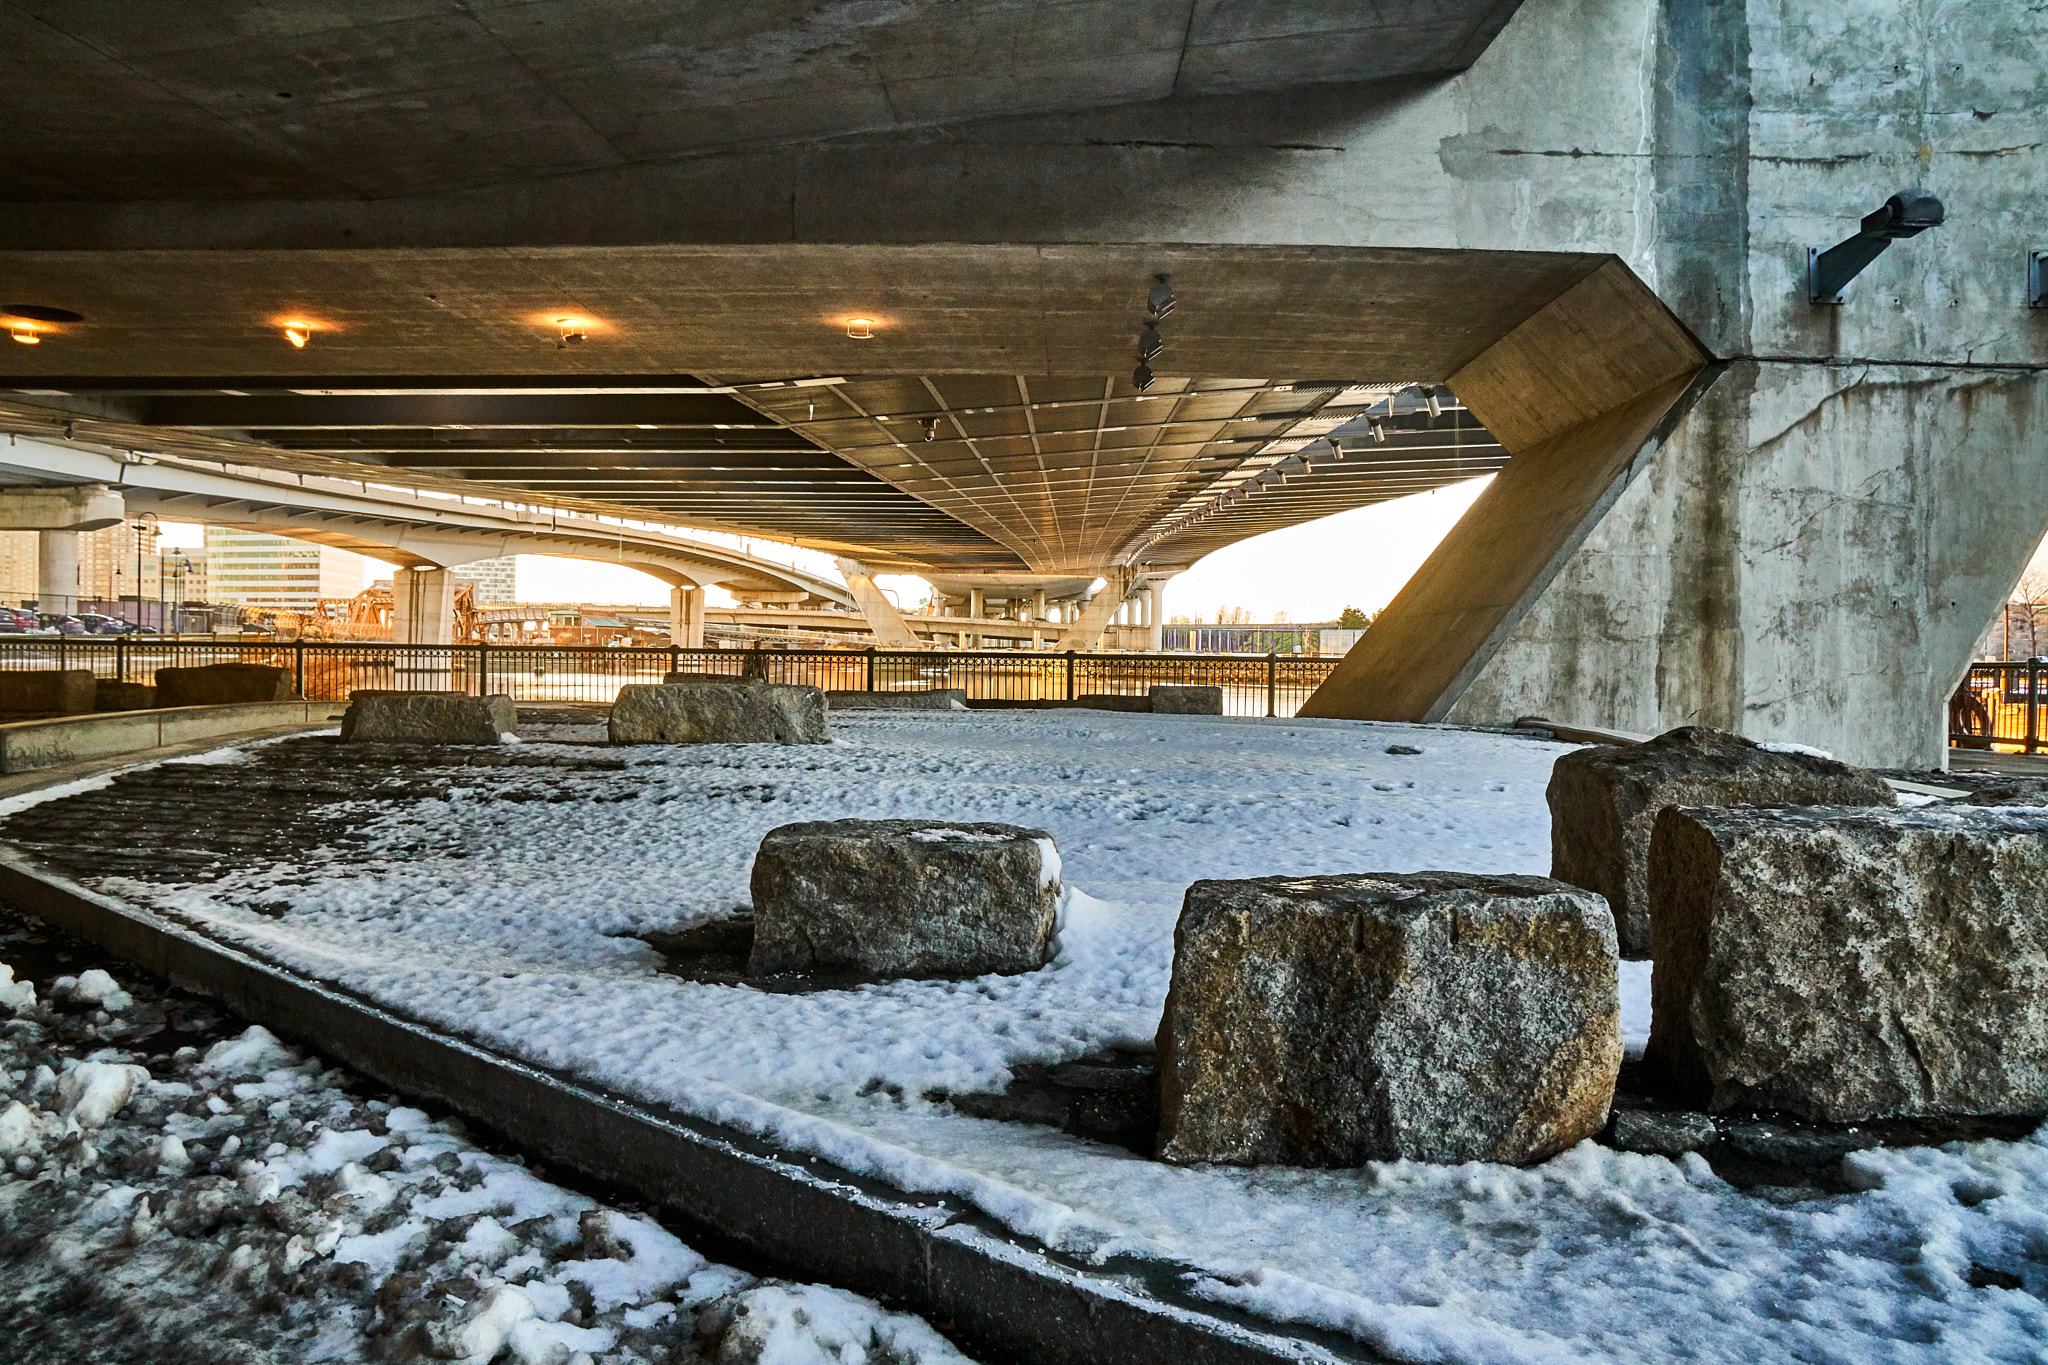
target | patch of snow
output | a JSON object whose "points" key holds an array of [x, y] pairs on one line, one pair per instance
{"points": [[95, 987], [1048, 862], [1635, 1007], [19, 1125], [94, 1092], [1779, 747], [256, 1051], [19, 996], [1595, 1255], [778, 1324]]}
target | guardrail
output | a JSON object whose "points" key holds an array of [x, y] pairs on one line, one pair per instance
{"points": [[1253, 685]]}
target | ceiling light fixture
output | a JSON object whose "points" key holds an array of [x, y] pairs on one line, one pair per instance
{"points": [[1149, 343], [26, 322], [1160, 300], [298, 334], [931, 428], [1141, 378], [572, 332], [860, 329]]}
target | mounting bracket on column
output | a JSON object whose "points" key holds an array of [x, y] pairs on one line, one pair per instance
{"points": [[2037, 279], [1906, 214]]}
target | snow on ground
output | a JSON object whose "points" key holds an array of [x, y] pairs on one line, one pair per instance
{"points": [[240, 1203], [506, 929]]}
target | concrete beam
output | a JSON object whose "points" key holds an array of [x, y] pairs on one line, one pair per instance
{"points": [[884, 621], [1087, 631], [93, 507], [1575, 393]]}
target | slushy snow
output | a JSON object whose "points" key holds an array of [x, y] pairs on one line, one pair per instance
{"points": [[509, 922]]}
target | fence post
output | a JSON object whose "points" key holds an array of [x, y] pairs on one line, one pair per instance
{"points": [[299, 667], [675, 658], [121, 659], [1272, 683], [483, 669], [1070, 675], [2034, 704], [871, 668]]}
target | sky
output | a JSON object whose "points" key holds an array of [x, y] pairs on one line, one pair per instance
{"points": [[1310, 572]]}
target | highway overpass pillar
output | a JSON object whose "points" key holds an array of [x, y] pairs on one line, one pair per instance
{"points": [[57, 571], [686, 617], [423, 613], [58, 515]]}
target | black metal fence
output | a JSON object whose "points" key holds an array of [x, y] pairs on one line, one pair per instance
{"points": [[2001, 705], [1253, 685]]}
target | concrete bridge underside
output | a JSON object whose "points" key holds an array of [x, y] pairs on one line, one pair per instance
{"points": [[1565, 241]]}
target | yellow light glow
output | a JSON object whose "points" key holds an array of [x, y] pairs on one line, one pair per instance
{"points": [[860, 329], [298, 334]]}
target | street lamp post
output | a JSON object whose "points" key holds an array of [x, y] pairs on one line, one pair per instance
{"points": [[146, 531]]}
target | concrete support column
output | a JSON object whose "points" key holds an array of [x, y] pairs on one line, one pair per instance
{"points": [[1155, 617], [57, 571], [423, 613], [1038, 605], [422, 607], [686, 617], [974, 602]]}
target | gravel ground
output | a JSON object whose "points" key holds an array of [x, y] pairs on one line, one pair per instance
{"points": [[175, 1187]]}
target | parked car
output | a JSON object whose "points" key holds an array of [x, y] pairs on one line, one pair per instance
{"points": [[97, 624], [63, 625]]}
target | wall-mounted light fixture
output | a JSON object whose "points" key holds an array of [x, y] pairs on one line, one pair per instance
{"points": [[26, 322], [860, 329], [298, 334], [573, 332], [1906, 214]]}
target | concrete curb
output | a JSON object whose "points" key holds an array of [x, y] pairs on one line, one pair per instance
{"points": [[36, 745], [1002, 1296]]}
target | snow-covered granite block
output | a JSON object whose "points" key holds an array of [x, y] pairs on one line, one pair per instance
{"points": [[428, 718], [1175, 699], [726, 712], [932, 699], [1849, 963], [1604, 802], [1440, 1016], [903, 898]]}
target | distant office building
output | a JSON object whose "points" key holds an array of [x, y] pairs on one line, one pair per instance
{"points": [[251, 569], [17, 567], [494, 582]]}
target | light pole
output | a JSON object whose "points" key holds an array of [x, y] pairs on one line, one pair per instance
{"points": [[177, 565], [146, 531]]}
